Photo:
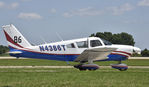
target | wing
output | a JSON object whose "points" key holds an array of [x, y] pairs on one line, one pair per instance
{"points": [[94, 54]]}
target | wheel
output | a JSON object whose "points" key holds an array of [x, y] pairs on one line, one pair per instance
{"points": [[122, 69], [82, 69], [91, 69]]}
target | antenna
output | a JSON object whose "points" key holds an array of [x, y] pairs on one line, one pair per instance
{"points": [[88, 41], [10, 23], [43, 39], [59, 36]]}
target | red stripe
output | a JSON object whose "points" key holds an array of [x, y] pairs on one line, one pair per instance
{"points": [[123, 52], [119, 54], [42, 53], [57, 54], [11, 40]]}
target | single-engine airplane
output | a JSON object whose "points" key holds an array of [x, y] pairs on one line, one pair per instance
{"points": [[81, 50]]}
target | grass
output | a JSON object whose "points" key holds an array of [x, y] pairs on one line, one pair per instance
{"points": [[44, 77], [73, 78], [40, 62], [30, 62], [4, 55], [129, 62]]}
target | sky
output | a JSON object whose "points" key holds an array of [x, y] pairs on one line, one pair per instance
{"points": [[43, 21]]}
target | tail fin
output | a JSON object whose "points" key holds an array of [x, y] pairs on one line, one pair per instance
{"points": [[14, 37]]}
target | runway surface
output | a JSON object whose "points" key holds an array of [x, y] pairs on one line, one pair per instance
{"points": [[140, 67]]}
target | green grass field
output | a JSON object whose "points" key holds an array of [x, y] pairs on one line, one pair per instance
{"points": [[39, 62], [73, 78], [45, 77], [4, 55]]}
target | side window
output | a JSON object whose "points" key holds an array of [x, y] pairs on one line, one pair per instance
{"points": [[82, 44], [106, 42], [95, 43], [70, 45]]}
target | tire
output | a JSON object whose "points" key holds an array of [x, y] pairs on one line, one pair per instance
{"points": [[91, 69], [122, 69], [82, 69]]}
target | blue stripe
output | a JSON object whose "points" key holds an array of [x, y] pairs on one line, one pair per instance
{"points": [[27, 54], [116, 57]]}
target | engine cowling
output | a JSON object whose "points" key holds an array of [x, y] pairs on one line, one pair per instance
{"points": [[121, 67], [87, 66]]}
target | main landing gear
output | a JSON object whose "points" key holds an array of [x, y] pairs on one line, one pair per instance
{"points": [[120, 66], [89, 66]]}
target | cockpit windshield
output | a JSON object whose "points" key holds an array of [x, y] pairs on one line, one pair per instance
{"points": [[95, 43], [106, 42]]}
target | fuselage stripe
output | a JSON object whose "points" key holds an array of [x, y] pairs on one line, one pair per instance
{"points": [[120, 54], [123, 52], [42, 53]]}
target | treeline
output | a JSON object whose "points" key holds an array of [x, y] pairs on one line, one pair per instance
{"points": [[119, 38], [3, 49], [145, 53]]}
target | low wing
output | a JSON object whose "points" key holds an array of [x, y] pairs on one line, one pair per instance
{"points": [[94, 54]]}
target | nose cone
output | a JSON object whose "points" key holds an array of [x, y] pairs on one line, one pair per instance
{"points": [[136, 50]]}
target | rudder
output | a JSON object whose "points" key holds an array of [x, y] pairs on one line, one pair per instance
{"points": [[14, 37]]}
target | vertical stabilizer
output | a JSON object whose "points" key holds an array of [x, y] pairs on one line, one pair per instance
{"points": [[14, 37]]}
